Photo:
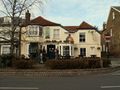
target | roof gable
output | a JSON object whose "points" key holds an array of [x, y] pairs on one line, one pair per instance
{"points": [[43, 22], [85, 25]]}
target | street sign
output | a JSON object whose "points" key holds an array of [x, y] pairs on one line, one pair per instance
{"points": [[107, 38]]}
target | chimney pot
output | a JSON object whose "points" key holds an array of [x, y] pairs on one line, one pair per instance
{"points": [[27, 17]]}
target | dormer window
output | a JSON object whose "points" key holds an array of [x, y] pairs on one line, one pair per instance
{"points": [[113, 15]]}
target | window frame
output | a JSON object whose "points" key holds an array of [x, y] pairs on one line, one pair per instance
{"points": [[82, 37], [47, 34], [56, 35], [66, 50], [3, 51], [82, 51], [40, 31], [33, 30]]}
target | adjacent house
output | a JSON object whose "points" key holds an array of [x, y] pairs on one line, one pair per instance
{"points": [[5, 34], [111, 29], [41, 34]]}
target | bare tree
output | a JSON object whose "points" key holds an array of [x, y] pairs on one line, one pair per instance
{"points": [[13, 9]]}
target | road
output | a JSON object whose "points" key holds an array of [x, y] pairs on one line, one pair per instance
{"points": [[109, 81]]}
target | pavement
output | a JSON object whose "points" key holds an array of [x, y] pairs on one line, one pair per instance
{"points": [[41, 71], [115, 62]]}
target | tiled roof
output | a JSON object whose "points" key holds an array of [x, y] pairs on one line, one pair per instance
{"points": [[71, 29], [85, 25], [43, 22]]}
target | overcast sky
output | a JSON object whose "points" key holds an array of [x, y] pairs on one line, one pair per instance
{"points": [[73, 12]]}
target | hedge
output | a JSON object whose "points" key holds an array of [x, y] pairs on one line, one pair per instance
{"points": [[83, 63], [12, 61], [5, 60], [23, 63]]}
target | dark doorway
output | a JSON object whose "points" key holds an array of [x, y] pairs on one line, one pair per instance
{"points": [[51, 51], [33, 50]]}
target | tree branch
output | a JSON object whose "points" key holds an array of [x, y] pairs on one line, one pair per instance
{"points": [[5, 38], [6, 8]]}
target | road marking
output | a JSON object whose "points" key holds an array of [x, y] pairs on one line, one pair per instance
{"points": [[116, 74], [110, 86], [19, 88]]}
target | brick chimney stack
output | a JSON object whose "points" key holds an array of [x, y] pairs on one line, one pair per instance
{"points": [[27, 17]]}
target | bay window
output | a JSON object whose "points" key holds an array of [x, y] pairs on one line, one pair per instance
{"points": [[66, 50], [33, 30]]}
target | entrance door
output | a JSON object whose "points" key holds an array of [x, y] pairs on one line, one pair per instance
{"points": [[51, 51], [33, 50]]}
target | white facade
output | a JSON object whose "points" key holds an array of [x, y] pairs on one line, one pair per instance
{"points": [[55, 37], [92, 43]]}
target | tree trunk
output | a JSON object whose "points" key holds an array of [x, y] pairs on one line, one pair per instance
{"points": [[12, 44], [19, 43]]}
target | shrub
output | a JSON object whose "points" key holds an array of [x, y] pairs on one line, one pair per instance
{"points": [[82, 63], [1, 64], [106, 63], [23, 64], [73, 64], [6, 60], [12, 61], [62, 64]]}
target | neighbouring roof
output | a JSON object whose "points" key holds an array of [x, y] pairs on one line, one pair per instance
{"points": [[43, 22], [6, 21], [83, 25], [117, 7]]}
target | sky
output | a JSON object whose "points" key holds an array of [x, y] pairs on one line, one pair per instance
{"points": [[73, 12]]}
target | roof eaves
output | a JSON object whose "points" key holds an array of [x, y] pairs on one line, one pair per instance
{"points": [[67, 29], [115, 9], [90, 29], [86, 28]]}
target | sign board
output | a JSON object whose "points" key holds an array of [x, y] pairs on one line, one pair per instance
{"points": [[107, 38]]}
